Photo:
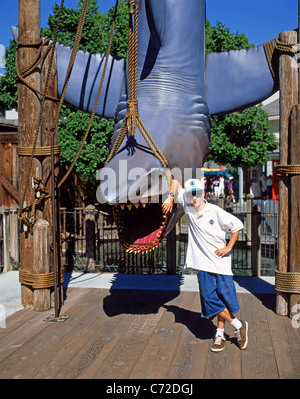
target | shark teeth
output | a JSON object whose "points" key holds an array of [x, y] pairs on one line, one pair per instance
{"points": [[139, 246], [130, 206]]}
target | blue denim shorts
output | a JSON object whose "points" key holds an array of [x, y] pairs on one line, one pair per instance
{"points": [[217, 292]]}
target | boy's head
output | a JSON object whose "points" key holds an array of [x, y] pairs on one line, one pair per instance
{"points": [[194, 191]]}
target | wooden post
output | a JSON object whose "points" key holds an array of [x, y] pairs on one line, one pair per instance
{"points": [[14, 236], [222, 201], [250, 236], [171, 251], [47, 122], [90, 237], [256, 241], [294, 241], [41, 260], [288, 97], [28, 113], [5, 215], [294, 190]]}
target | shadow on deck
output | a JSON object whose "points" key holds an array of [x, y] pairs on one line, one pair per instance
{"points": [[130, 333]]}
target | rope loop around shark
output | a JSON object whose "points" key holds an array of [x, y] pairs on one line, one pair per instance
{"points": [[178, 88]]}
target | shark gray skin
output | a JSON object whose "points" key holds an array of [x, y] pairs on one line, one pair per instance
{"points": [[178, 88]]}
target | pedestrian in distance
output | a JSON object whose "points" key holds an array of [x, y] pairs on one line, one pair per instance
{"points": [[269, 187], [209, 254]]}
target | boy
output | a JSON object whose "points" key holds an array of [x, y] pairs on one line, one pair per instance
{"points": [[210, 255]]}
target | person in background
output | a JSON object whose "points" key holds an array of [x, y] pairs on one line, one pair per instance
{"points": [[221, 185], [263, 185], [231, 196], [269, 187]]}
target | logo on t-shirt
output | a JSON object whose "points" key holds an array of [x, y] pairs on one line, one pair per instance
{"points": [[211, 221]]}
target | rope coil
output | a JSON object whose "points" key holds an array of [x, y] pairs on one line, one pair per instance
{"points": [[39, 281], [44, 151], [132, 119], [287, 282], [288, 170], [276, 45], [27, 44]]}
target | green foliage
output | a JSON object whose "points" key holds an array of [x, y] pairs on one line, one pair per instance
{"points": [[8, 83], [219, 38], [73, 123], [95, 150], [236, 139], [240, 138]]}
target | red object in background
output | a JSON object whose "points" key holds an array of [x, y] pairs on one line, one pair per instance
{"points": [[275, 183]]}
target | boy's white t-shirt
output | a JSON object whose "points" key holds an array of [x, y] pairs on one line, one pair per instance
{"points": [[206, 233]]}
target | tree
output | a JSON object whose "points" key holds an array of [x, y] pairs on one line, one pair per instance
{"points": [[8, 83], [219, 38], [73, 122], [240, 138]]}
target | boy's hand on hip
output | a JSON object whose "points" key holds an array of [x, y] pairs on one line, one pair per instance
{"points": [[223, 251]]}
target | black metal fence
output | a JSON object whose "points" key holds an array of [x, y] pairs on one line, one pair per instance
{"points": [[90, 242], [257, 246]]}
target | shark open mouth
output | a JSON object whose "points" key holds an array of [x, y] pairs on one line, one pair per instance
{"points": [[141, 226]]}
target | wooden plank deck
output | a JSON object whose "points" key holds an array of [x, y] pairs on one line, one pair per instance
{"points": [[136, 334]]}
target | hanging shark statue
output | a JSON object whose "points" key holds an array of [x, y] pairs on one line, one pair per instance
{"points": [[178, 88]]}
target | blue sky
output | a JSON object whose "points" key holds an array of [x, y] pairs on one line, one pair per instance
{"points": [[260, 20]]}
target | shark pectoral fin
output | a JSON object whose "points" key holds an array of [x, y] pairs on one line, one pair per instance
{"points": [[237, 79], [85, 80]]}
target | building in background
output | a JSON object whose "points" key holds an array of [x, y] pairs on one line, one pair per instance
{"points": [[271, 107]]}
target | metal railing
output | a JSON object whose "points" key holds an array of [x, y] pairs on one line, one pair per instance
{"points": [[90, 242]]}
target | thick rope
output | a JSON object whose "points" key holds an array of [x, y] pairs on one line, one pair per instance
{"points": [[44, 151], [132, 119], [32, 67], [27, 214], [96, 102], [71, 63], [276, 45], [21, 214], [287, 282], [39, 281], [288, 170]]}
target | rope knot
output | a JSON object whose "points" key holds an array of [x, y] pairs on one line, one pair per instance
{"points": [[132, 108], [132, 115], [132, 4]]}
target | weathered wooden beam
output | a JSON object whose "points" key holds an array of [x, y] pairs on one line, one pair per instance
{"points": [[294, 242], [28, 114], [41, 260], [288, 76], [9, 188], [49, 73]]}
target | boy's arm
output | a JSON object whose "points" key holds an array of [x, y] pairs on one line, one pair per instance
{"points": [[167, 206], [224, 251]]}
